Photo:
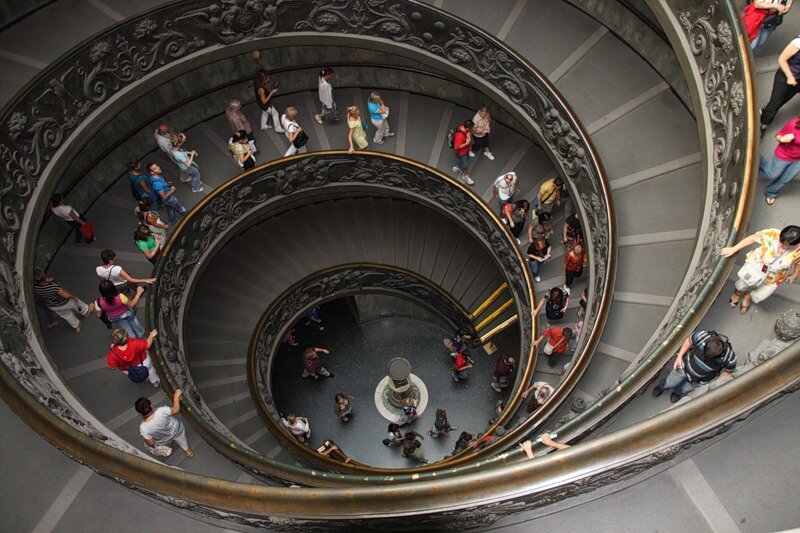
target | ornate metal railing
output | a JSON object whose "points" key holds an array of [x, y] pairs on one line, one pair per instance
{"points": [[52, 118], [314, 290]]}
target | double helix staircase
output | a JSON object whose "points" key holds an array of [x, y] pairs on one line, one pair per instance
{"points": [[648, 144]]}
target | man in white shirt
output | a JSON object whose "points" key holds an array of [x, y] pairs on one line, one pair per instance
{"points": [[503, 190]]}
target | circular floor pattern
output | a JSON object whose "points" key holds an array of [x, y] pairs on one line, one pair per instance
{"points": [[389, 411]]}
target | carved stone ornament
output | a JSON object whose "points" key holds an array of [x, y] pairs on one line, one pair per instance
{"points": [[787, 327]]}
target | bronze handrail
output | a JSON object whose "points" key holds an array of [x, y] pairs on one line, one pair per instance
{"points": [[488, 301]]}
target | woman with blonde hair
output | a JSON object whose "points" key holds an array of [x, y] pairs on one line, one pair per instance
{"points": [[355, 131], [378, 115], [295, 134]]}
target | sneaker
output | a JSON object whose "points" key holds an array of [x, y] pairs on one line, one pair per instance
{"points": [[471, 153], [456, 169], [519, 242], [467, 179], [658, 391], [538, 279], [674, 397], [497, 389], [157, 384], [198, 190], [504, 221], [489, 155]]}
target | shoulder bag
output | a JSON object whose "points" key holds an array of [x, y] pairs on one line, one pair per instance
{"points": [[136, 373], [300, 140]]}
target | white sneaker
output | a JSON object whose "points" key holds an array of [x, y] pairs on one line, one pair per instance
{"points": [[467, 179], [198, 190], [489, 155], [471, 153], [519, 242], [456, 169], [538, 279]]}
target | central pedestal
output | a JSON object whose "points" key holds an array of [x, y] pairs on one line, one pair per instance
{"points": [[399, 371]]}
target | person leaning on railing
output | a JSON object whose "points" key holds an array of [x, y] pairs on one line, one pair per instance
{"points": [[777, 259], [702, 357]]}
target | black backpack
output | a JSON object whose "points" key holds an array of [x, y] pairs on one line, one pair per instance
{"points": [[451, 138]]}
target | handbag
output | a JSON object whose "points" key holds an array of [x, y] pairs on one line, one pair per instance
{"points": [[300, 140], [752, 275], [87, 230], [160, 450], [136, 373]]}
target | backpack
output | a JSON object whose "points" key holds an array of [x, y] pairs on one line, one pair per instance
{"points": [[451, 138]]}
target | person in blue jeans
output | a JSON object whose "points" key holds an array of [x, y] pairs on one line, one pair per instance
{"points": [[185, 160], [702, 357], [785, 162], [165, 193]]}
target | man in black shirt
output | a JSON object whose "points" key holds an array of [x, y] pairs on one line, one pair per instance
{"points": [[59, 300]]}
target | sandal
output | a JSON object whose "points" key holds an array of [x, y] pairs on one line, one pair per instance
{"points": [[745, 304], [734, 302], [770, 201]]}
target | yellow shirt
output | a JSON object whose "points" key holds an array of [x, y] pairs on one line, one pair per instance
{"points": [[547, 192], [359, 137]]}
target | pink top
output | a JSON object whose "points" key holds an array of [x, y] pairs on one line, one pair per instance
{"points": [[789, 151], [117, 309]]}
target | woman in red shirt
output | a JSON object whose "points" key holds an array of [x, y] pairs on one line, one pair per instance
{"points": [[785, 162], [126, 353]]}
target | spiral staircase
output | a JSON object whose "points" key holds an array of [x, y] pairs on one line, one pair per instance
{"points": [[676, 199]]}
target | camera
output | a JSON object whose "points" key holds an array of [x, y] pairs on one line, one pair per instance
{"points": [[275, 85]]}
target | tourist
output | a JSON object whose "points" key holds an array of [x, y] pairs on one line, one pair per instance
{"points": [[73, 218], [59, 300], [441, 425], [573, 234], [702, 357], [290, 338], [408, 412], [164, 136], [240, 150], [185, 160], [515, 214], [147, 243], [462, 139], [541, 392], [503, 190], [130, 356], [165, 194], [355, 130], [545, 439], [411, 447], [582, 304], [325, 90], [461, 363], [776, 260], [314, 319], [140, 182], [378, 115], [150, 218], [264, 94], [557, 343], [298, 426], [118, 309], [499, 407], [161, 428], [549, 196], [395, 435], [463, 442], [761, 17], [785, 162], [480, 133], [117, 275], [313, 364], [555, 304], [458, 342], [342, 406], [239, 123], [538, 252], [574, 262], [502, 373], [297, 137], [785, 85]]}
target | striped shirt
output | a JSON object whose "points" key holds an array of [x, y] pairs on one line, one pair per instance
{"points": [[699, 371], [47, 293]]}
